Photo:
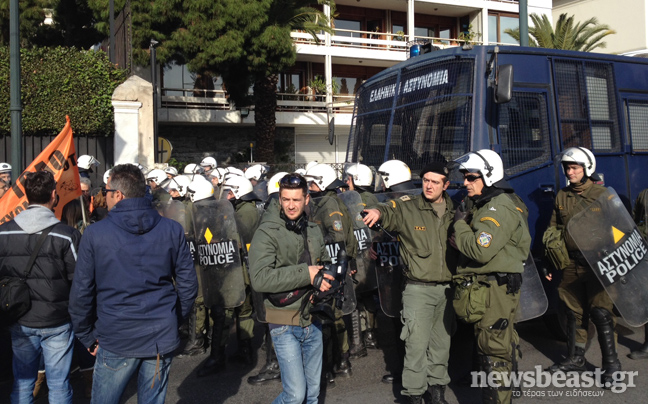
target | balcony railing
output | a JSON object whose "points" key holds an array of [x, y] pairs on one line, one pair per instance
{"points": [[286, 102]]}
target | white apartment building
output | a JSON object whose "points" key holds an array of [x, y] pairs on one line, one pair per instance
{"points": [[369, 36], [629, 18]]}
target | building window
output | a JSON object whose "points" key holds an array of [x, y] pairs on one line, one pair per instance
{"points": [[498, 23], [347, 25]]}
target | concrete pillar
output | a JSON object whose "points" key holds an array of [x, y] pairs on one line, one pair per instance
{"points": [[133, 105]]}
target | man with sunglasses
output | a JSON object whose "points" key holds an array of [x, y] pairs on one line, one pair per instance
{"points": [[286, 256], [493, 241], [423, 223], [134, 283]]}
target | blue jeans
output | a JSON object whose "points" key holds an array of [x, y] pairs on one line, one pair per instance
{"points": [[55, 345], [299, 353], [112, 373]]}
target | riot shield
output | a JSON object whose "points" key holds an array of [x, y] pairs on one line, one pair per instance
{"points": [[261, 190], [365, 276], [388, 264], [325, 212], [609, 240], [533, 300], [218, 254]]}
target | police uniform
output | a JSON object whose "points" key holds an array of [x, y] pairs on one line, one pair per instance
{"points": [[580, 289], [428, 321], [247, 221], [336, 224], [640, 216], [493, 249]]}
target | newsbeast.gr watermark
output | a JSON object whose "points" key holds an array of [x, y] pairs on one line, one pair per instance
{"points": [[540, 378]]}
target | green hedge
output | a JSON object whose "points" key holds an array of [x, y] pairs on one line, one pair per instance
{"points": [[57, 82]]}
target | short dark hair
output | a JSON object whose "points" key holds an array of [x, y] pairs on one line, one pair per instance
{"points": [[39, 187], [129, 180], [293, 181]]}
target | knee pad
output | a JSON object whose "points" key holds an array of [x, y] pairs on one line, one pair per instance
{"points": [[600, 316]]}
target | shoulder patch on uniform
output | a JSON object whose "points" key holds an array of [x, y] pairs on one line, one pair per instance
{"points": [[484, 239], [335, 213], [337, 225], [405, 198], [490, 219]]}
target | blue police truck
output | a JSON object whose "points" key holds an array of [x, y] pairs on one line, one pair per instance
{"points": [[527, 104]]}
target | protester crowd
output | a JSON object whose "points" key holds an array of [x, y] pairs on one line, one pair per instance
{"points": [[155, 265]]}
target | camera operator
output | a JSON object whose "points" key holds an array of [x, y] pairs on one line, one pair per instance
{"points": [[284, 258]]}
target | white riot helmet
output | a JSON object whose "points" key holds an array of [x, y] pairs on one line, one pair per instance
{"points": [[241, 187], [157, 175], [393, 173], [106, 176], [219, 173], [361, 174], [301, 171], [86, 162], [199, 190], [193, 168], [171, 170], [311, 164], [208, 163], [273, 183], [580, 156], [324, 176], [235, 171], [5, 168], [256, 172], [180, 183], [486, 162]]}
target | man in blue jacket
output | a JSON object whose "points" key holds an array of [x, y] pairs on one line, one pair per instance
{"points": [[134, 283]]}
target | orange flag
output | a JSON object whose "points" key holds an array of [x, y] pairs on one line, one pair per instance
{"points": [[59, 158]]}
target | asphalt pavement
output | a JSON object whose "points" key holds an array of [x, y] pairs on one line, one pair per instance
{"points": [[539, 348]]}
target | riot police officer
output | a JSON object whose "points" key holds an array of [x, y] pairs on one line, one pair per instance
{"points": [[640, 215], [323, 182], [240, 193], [493, 241], [579, 288], [85, 163], [423, 222], [358, 177]]}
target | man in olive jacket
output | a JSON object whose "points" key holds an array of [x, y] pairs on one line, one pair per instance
{"points": [[285, 254], [423, 222], [494, 241]]}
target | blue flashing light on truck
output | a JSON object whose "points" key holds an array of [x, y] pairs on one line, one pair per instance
{"points": [[527, 104]]}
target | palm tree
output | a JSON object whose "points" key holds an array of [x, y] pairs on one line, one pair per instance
{"points": [[585, 36]]}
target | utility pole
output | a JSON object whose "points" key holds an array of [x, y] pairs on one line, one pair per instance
{"points": [[14, 89], [524, 23]]}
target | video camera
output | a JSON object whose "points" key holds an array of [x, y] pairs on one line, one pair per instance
{"points": [[323, 301]]}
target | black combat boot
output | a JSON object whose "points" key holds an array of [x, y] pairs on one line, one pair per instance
{"points": [[271, 369], [196, 342], [415, 399], [604, 323], [268, 373], [343, 369], [357, 349], [575, 361], [437, 394], [245, 352], [370, 340], [215, 363], [641, 353]]}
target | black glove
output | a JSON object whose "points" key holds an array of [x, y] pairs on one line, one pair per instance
{"points": [[461, 213], [513, 283]]}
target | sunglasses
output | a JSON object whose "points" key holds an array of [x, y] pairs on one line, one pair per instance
{"points": [[292, 180], [105, 190], [472, 178]]}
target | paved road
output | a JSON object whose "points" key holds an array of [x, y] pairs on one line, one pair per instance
{"points": [[538, 345]]}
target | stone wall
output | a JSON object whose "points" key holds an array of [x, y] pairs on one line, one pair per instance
{"points": [[229, 145]]}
